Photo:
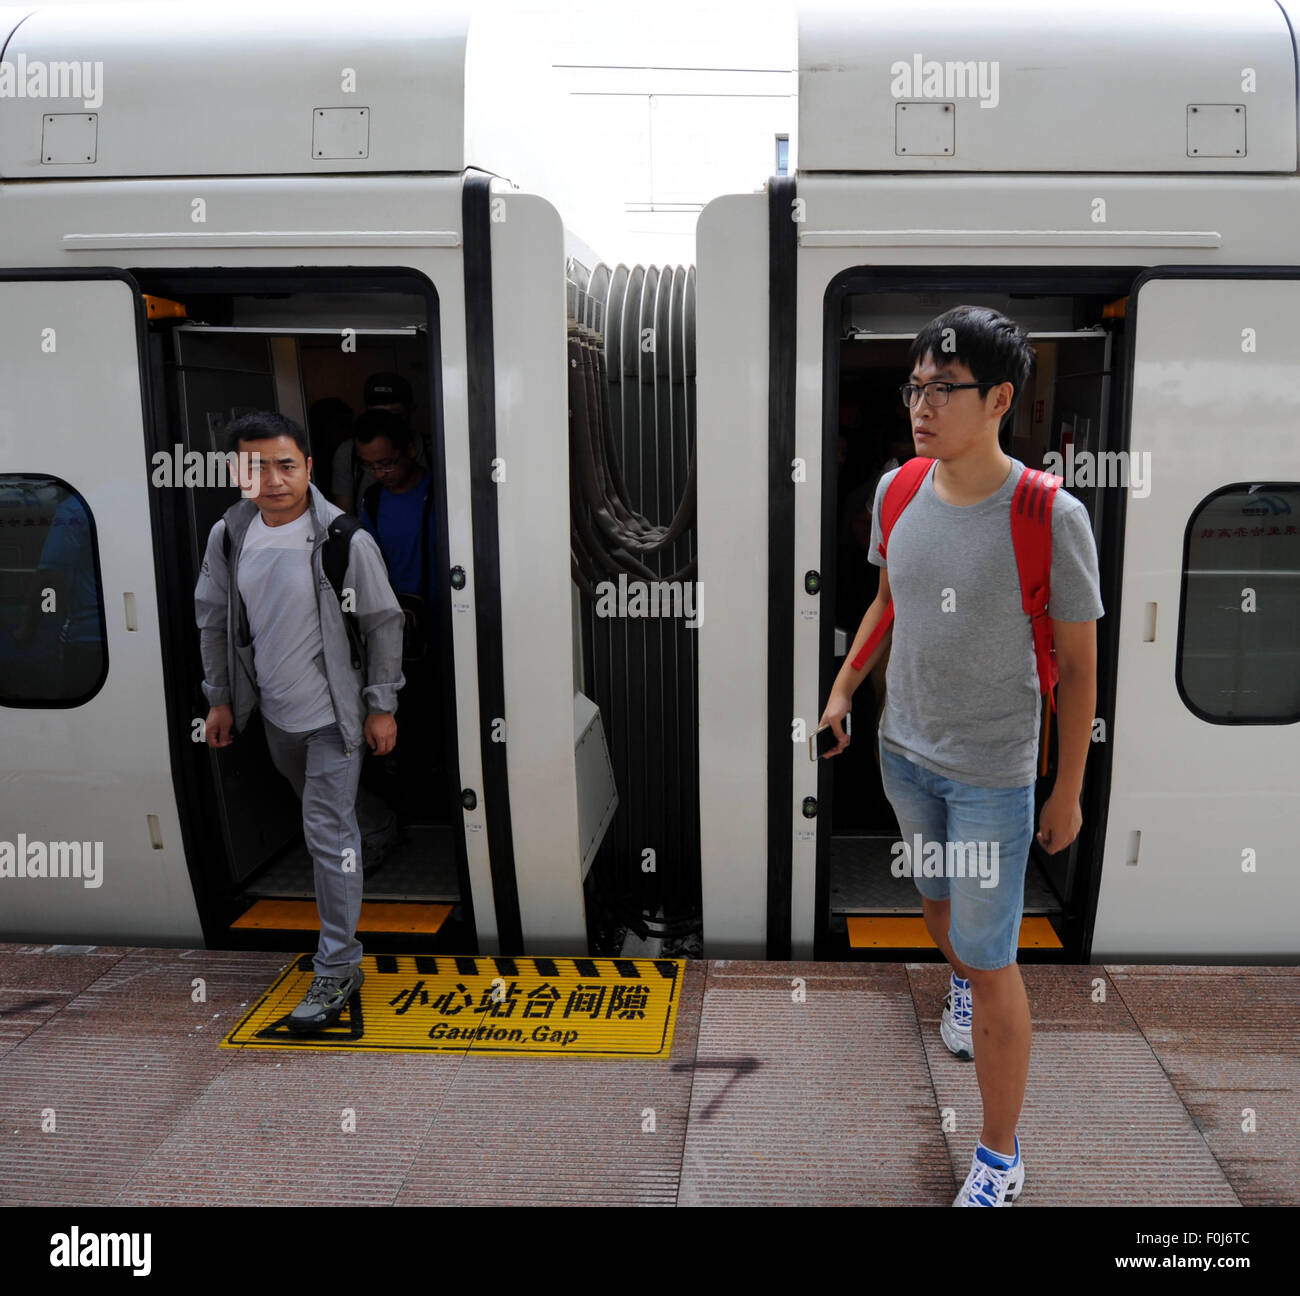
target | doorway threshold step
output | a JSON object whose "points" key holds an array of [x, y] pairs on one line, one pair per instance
{"points": [[300, 915], [880, 932]]}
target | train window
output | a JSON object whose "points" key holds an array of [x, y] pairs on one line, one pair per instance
{"points": [[52, 643], [1239, 641]]}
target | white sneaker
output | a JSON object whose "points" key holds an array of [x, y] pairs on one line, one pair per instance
{"points": [[955, 1026], [992, 1182]]}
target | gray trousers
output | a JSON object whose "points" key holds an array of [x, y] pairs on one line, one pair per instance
{"points": [[326, 782]]}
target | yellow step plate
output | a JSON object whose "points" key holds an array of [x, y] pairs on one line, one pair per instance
{"points": [[912, 933], [516, 1007], [301, 915]]}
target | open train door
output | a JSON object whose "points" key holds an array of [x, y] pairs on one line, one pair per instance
{"points": [[1199, 858], [86, 786]]}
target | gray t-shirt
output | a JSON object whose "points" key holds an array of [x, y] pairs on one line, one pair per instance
{"points": [[962, 695]]}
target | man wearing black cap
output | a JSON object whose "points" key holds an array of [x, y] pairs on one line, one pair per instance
{"points": [[386, 391], [349, 478]]}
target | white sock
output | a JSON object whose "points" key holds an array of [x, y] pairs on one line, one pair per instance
{"points": [[1008, 1157]]}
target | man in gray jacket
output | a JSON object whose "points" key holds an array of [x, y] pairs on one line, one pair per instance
{"points": [[289, 654]]}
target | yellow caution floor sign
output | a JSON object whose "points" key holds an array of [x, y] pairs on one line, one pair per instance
{"points": [[574, 1007]]}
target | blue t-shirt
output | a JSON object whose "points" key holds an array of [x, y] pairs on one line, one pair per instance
{"points": [[398, 535]]}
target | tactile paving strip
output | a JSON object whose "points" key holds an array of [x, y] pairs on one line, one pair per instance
{"points": [[574, 1007], [811, 1089], [38, 981], [1101, 1124], [1227, 1039], [86, 1099]]}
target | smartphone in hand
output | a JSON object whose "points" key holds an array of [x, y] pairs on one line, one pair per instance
{"points": [[824, 739]]}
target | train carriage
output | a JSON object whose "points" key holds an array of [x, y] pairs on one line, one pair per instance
{"points": [[231, 214], [1120, 179]]}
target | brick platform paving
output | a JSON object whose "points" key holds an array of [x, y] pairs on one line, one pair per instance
{"points": [[798, 1083]]}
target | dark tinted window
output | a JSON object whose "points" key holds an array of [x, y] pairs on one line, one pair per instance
{"points": [[52, 644], [1239, 637]]}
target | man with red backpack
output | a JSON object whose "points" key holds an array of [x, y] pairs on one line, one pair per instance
{"points": [[989, 587]]}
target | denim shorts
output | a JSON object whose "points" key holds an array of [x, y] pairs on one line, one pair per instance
{"points": [[975, 841]]}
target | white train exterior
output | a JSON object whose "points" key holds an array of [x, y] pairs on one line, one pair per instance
{"points": [[952, 153], [350, 147]]}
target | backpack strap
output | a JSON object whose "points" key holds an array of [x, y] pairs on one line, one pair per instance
{"points": [[334, 559], [370, 501], [244, 633], [898, 495], [1031, 534]]}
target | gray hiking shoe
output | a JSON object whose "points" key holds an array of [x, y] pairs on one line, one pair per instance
{"points": [[324, 1001]]}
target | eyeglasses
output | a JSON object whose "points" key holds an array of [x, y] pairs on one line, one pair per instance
{"points": [[936, 393], [381, 465]]}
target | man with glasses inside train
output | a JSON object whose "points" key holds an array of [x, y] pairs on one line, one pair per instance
{"points": [[273, 636], [349, 476], [959, 735], [398, 511]]}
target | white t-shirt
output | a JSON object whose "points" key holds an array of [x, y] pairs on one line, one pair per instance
{"points": [[279, 591]]}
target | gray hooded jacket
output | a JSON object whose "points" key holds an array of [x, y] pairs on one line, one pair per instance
{"points": [[228, 673]]}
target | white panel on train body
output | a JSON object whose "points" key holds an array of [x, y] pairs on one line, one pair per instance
{"points": [[206, 90], [70, 407], [1077, 85], [532, 431], [1213, 872], [732, 458]]}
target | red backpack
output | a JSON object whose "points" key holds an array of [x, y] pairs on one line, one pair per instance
{"points": [[1031, 535]]}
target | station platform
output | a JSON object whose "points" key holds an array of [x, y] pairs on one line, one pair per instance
{"points": [[780, 1084]]}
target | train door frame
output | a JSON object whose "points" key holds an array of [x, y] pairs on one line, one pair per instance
{"points": [[1086, 850], [254, 811], [1078, 383], [172, 545]]}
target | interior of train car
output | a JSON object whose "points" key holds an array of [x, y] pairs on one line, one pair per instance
{"points": [[222, 345], [1070, 400]]}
